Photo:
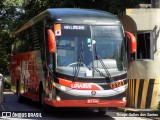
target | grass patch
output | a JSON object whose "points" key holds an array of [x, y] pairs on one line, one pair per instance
{"points": [[13, 87], [7, 82]]}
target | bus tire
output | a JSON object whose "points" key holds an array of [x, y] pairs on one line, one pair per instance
{"points": [[102, 110]]}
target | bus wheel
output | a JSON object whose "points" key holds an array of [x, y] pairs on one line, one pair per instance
{"points": [[102, 110]]}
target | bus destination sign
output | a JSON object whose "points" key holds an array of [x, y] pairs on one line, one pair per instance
{"points": [[74, 27]]}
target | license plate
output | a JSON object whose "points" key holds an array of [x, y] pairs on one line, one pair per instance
{"points": [[92, 100]]}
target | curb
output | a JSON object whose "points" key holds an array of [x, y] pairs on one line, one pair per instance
{"points": [[9, 91], [128, 109]]}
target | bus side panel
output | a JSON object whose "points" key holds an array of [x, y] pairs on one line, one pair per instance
{"points": [[25, 70]]}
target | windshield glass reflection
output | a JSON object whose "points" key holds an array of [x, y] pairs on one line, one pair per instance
{"points": [[77, 50]]}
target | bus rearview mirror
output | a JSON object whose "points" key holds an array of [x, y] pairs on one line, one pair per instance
{"points": [[132, 42], [51, 41]]}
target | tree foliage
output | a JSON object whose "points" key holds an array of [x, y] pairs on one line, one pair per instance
{"points": [[8, 16], [14, 13]]}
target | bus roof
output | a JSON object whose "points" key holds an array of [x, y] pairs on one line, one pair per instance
{"points": [[74, 16]]}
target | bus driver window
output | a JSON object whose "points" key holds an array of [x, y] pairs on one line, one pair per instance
{"points": [[66, 50]]}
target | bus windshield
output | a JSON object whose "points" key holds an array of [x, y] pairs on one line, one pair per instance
{"points": [[82, 48]]}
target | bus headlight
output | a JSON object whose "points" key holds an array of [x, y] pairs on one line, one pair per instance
{"points": [[54, 84], [60, 87], [63, 88], [58, 98]]}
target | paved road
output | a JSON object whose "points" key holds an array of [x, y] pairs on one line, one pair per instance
{"points": [[27, 108]]}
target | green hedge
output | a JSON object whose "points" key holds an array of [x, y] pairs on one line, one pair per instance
{"points": [[7, 82]]}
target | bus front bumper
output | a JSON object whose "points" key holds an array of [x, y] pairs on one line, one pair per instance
{"points": [[86, 103]]}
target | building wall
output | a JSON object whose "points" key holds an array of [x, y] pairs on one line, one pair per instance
{"points": [[142, 18], [144, 71]]}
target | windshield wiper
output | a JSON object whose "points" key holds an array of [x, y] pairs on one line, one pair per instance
{"points": [[100, 73], [103, 65], [81, 60]]}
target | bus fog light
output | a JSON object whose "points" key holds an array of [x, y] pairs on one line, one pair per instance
{"points": [[124, 99], [54, 84], [58, 98]]}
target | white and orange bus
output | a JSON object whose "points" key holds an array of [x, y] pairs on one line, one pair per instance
{"points": [[72, 58]]}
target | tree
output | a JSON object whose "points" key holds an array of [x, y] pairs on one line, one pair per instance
{"points": [[9, 12]]}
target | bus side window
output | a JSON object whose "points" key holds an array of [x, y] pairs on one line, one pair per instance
{"points": [[24, 42]]}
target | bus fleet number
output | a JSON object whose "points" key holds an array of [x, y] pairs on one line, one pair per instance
{"points": [[117, 84]]}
